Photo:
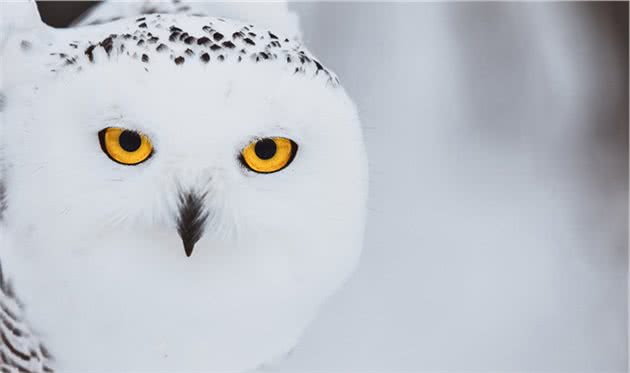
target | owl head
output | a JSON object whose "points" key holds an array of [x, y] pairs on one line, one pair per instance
{"points": [[210, 165], [203, 133], [206, 128]]}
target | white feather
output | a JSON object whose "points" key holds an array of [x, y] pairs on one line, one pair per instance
{"points": [[97, 259]]}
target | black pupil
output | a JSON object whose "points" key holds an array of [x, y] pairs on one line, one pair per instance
{"points": [[130, 141], [265, 149]]}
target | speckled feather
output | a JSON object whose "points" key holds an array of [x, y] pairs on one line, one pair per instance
{"points": [[20, 348], [188, 39]]}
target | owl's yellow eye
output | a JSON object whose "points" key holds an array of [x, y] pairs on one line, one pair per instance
{"points": [[125, 146], [268, 155]]}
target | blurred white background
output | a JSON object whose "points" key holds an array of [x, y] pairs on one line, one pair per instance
{"points": [[498, 142], [497, 237]]}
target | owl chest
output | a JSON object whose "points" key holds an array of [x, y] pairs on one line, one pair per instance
{"points": [[152, 313]]}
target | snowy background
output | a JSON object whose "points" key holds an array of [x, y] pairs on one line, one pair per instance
{"points": [[498, 143]]}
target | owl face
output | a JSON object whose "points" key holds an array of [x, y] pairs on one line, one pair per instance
{"points": [[185, 186], [213, 133]]}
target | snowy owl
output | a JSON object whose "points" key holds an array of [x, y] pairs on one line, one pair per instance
{"points": [[179, 191]]}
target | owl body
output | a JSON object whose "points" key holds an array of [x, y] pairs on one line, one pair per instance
{"points": [[95, 248]]}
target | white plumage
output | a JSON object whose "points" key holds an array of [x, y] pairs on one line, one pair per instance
{"points": [[94, 247]]}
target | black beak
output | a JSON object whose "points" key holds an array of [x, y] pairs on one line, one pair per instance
{"points": [[191, 220]]}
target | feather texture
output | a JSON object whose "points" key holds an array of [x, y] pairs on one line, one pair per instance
{"points": [[20, 348], [101, 251]]}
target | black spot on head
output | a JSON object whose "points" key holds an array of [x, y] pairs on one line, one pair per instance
{"points": [[238, 35], [145, 58], [140, 42], [175, 29], [249, 41], [183, 36], [189, 40], [215, 47], [89, 51], [217, 36], [272, 35], [126, 36], [286, 40], [141, 19], [189, 52], [173, 36], [228, 44], [161, 48], [207, 29], [264, 55], [251, 34], [319, 65], [153, 39], [142, 25], [221, 57], [203, 40], [205, 57], [107, 44], [179, 60]]}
